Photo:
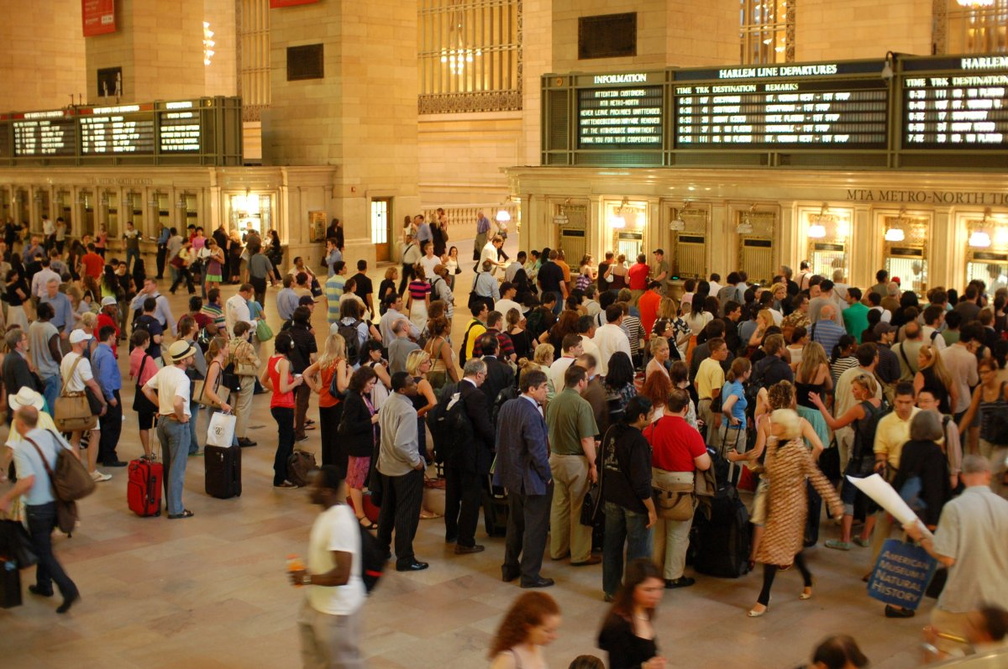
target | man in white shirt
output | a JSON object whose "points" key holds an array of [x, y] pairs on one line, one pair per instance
{"points": [[611, 338], [571, 349], [237, 308], [507, 302], [393, 313], [329, 619], [41, 279], [491, 252], [76, 372], [169, 391], [429, 261]]}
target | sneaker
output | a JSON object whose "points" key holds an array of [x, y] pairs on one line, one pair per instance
{"points": [[863, 543], [837, 544], [99, 477]]}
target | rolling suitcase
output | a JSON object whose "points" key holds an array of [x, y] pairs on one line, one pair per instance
{"points": [[143, 489], [10, 584], [722, 541], [495, 509], [223, 471]]}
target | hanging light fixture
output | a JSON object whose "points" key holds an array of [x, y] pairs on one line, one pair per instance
{"points": [[817, 230], [618, 219], [678, 224], [980, 237], [561, 218], [746, 226], [895, 232], [975, 4]]}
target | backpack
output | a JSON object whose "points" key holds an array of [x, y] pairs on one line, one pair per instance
{"points": [[374, 558], [508, 393], [752, 392], [352, 338], [862, 457], [465, 342], [449, 424]]}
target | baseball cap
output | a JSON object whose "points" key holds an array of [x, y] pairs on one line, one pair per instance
{"points": [[108, 301], [661, 251], [77, 336]]}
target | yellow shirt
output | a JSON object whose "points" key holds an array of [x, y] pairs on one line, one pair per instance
{"points": [[476, 331], [709, 377], [891, 434]]}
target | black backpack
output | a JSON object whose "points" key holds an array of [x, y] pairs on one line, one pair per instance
{"points": [[374, 558], [465, 342], [449, 424], [352, 339]]}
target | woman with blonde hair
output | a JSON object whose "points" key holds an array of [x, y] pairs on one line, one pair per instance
{"points": [[764, 321], [813, 376], [319, 376], [530, 623], [933, 375], [418, 365], [660, 353], [787, 465], [862, 456], [780, 395]]}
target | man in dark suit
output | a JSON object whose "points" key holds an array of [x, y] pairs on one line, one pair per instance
{"points": [[499, 375], [470, 464], [523, 468], [16, 370]]}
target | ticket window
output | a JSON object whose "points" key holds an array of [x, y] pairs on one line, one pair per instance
{"points": [[627, 222], [905, 251], [251, 211], [756, 244], [64, 208], [87, 203], [689, 232], [109, 202], [828, 232], [987, 253]]}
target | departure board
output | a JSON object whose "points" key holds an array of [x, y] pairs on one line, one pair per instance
{"points": [[50, 133], [202, 131], [957, 103], [820, 106], [620, 118], [117, 130]]}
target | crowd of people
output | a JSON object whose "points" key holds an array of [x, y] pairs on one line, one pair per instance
{"points": [[603, 374]]}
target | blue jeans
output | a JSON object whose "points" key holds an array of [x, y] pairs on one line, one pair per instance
{"points": [[41, 521], [52, 390], [131, 254], [174, 438], [622, 526]]}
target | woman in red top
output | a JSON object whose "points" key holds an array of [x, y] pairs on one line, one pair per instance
{"points": [[142, 368], [319, 377], [277, 377], [419, 298]]}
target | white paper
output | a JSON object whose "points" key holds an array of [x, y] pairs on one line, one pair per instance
{"points": [[885, 496]]}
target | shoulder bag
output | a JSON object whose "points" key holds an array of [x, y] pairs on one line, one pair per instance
{"points": [[70, 482], [243, 366], [72, 412], [140, 401], [200, 391], [593, 508]]}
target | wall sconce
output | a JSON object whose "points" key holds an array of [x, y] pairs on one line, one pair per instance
{"points": [[618, 219], [182, 202], [895, 233], [817, 230], [980, 238], [155, 200], [561, 218], [887, 68]]}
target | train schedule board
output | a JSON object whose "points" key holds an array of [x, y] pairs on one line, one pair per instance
{"points": [[617, 112], [44, 133], [122, 129], [955, 103], [824, 106]]}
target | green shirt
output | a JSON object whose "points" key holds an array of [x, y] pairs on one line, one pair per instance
{"points": [[855, 319], [569, 419], [333, 292]]}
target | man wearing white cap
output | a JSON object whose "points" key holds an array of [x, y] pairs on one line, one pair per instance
{"points": [[76, 372], [108, 316], [169, 390]]}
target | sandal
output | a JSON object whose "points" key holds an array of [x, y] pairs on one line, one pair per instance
{"points": [[185, 514], [369, 525], [430, 515]]}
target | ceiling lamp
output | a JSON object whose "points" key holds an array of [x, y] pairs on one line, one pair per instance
{"points": [[817, 230], [975, 4], [561, 218], [980, 238], [502, 216], [618, 219], [677, 224]]}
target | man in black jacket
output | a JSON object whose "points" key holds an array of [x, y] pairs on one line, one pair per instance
{"points": [[16, 372], [499, 375], [470, 464]]}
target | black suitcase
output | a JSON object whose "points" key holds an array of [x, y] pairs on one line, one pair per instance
{"points": [[223, 471], [10, 584], [495, 509], [722, 541]]}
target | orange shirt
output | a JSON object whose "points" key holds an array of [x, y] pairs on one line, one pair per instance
{"points": [[94, 265], [648, 305]]}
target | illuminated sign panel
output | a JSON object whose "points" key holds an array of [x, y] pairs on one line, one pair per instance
{"points": [[960, 104], [620, 118]]}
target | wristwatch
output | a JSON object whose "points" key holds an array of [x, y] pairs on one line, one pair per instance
{"points": [[306, 579]]}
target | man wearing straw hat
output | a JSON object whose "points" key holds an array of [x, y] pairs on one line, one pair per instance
{"points": [[169, 390], [25, 397]]}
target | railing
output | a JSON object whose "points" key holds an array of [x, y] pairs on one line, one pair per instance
{"points": [[462, 217]]}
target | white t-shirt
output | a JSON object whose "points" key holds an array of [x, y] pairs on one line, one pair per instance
{"points": [[335, 529], [81, 375], [170, 382], [428, 265]]}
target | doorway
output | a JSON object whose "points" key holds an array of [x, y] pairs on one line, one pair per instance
{"points": [[380, 231]]}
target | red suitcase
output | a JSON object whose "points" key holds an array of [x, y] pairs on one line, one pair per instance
{"points": [[143, 490]]}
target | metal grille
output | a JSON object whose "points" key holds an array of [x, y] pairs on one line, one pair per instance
{"points": [[756, 249], [469, 56], [689, 246], [973, 29]]}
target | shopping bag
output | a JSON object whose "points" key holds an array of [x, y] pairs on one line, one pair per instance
{"points": [[222, 429]]}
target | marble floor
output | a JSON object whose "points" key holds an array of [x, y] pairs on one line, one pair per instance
{"points": [[211, 592]]}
